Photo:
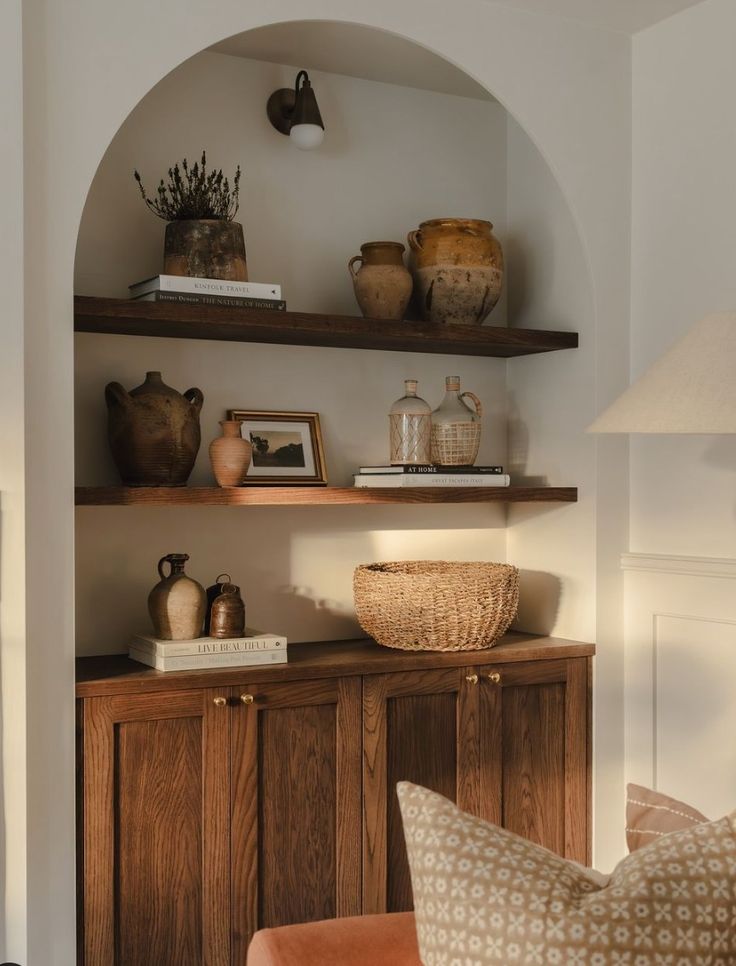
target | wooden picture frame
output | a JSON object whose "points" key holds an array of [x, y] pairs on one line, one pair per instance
{"points": [[294, 452]]}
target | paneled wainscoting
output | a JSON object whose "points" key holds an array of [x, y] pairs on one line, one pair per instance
{"points": [[681, 677]]}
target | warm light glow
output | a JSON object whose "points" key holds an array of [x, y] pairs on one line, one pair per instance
{"points": [[690, 389], [306, 136]]}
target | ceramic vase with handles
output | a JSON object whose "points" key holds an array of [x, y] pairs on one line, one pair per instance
{"points": [[230, 454], [177, 603], [383, 285], [153, 432], [457, 265]]}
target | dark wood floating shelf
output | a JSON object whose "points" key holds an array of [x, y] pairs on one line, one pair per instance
{"points": [[316, 495], [170, 320]]}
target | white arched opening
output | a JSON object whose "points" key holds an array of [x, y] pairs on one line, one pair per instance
{"points": [[99, 70]]}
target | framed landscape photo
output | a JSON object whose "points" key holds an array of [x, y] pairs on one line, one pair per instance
{"points": [[287, 447]]}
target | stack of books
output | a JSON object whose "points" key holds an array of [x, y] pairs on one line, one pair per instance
{"points": [[189, 290], [256, 647], [422, 474]]}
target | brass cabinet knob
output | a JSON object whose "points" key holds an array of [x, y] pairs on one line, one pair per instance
{"points": [[220, 702], [494, 677], [471, 678], [247, 698]]}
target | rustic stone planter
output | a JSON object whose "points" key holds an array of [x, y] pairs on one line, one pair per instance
{"points": [[206, 248]]}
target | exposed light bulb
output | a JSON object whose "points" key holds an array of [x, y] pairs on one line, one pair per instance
{"points": [[306, 136]]}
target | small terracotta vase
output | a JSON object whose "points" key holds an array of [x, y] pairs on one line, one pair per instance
{"points": [[383, 285], [230, 455], [177, 603], [458, 269]]}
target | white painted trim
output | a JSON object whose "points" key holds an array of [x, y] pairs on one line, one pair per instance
{"points": [[662, 563]]}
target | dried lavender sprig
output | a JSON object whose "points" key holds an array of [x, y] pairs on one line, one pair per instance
{"points": [[198, 194]]}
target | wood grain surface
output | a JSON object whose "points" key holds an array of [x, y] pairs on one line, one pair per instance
{"points": [[117, 674], [174, 321], [316, 495], [295, 805], [411, 732], [156, 831], [202, 821]]}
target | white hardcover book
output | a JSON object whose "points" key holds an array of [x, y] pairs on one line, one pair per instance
{"points": [[205, 286], [389, 480], [193, 662], [253, 641]]}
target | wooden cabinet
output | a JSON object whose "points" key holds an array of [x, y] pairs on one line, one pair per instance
{"points": [[155, 830], [295, 804], [507, 743], [214, 803]]}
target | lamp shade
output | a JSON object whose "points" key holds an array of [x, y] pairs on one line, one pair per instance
{"points": [[690, 389]]}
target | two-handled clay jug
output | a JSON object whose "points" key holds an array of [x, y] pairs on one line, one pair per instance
{"points": [[457, 265], [153, 432], [177, 603]]}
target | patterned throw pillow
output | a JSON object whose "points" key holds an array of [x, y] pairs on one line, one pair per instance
{"points": [[485, 896], [650, 815]]}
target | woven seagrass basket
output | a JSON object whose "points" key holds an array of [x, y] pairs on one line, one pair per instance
{"points": [[432, 605]]}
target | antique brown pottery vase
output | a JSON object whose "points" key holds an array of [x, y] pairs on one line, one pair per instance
{"points": [[153, 432], [230, 454], [457, 265], [383, 285], [206, 248], [177, 603]]}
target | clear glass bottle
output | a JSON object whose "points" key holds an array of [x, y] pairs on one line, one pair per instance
{"points": [[455, 435], [410, 424]]}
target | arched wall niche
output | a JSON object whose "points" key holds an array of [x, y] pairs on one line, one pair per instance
{"points": [[393, 156], [567, 85]]}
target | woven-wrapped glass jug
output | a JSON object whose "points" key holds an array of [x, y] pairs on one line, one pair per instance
{"points": [[456, 427], [410, 423]]}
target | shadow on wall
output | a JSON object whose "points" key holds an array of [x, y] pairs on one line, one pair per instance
{"points": [[539, 602], [294, 565], [518, 448]]}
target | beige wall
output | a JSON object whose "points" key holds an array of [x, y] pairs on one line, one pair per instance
{"points": [[304, 214], [12, 498], [87, 65], [681, 610]]}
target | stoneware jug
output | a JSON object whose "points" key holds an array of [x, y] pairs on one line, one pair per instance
{"points": [[383, 285], [457, 265], [177, 603], [230, 454], [153, 432]]}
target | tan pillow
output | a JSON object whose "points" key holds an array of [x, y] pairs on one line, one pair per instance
{"points": [[650, 815], [484, 896]]}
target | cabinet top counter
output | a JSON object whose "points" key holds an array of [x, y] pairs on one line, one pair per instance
{"points": [[117, 674]]}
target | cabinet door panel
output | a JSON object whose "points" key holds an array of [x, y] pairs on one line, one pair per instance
{"points": [[296, 805], [156, 831], [419, 727], [534, 755]]}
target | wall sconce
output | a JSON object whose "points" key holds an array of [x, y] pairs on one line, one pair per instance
{"points": [[295, 113]]}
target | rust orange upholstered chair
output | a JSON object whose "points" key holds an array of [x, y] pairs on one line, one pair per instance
{"points": [[388, 940]]}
